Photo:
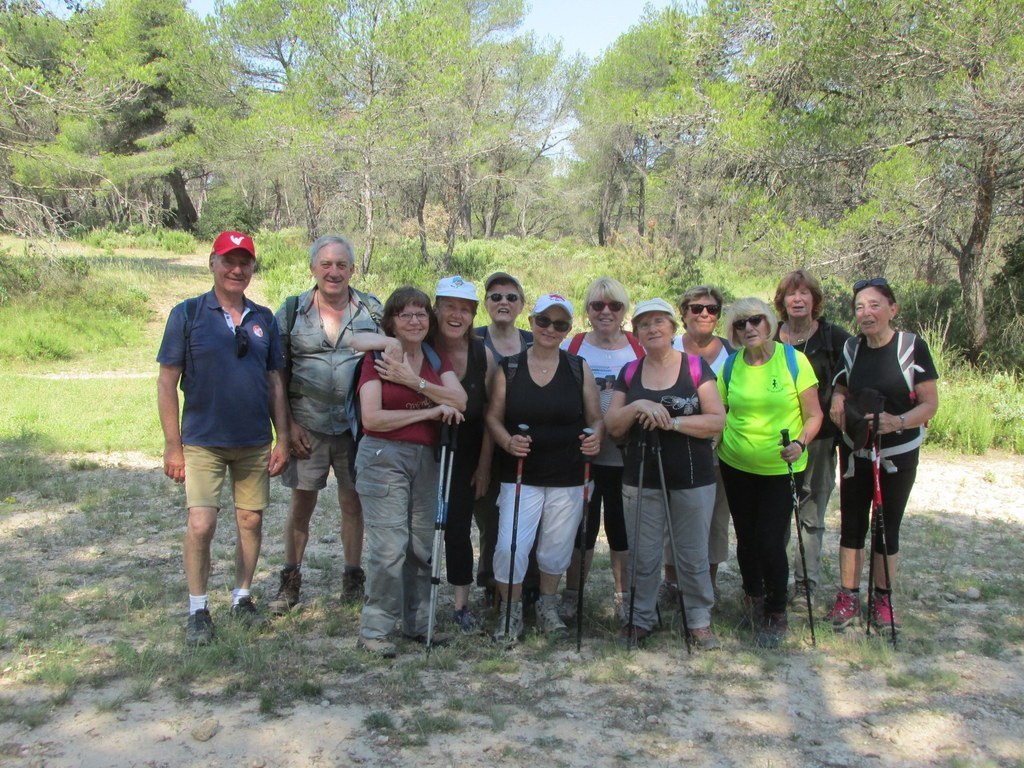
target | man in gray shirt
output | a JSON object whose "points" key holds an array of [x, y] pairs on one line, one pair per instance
{"points": [[317, 328]]}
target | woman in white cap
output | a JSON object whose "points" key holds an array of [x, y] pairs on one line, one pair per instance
{"points": [[455, 304], [674, 393], [553, 393]]}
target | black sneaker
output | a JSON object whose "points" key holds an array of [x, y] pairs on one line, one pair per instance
{"points": [[199, 629], [352, 586], [246, 612]]}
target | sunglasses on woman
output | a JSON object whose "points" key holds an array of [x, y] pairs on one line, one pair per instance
{"points": [[512, 298], [874, 282], [614, 306], [698, 309], [754, 320], [543, 321]]}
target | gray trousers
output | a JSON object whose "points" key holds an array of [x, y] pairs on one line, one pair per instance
{"points": [[691, 520], [819, 482], [397, 484]]}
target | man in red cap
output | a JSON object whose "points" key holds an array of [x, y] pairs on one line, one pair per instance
{"points": [[225, 353]]}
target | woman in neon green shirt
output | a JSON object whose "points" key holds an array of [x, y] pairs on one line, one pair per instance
{"points": [[766, 387]]}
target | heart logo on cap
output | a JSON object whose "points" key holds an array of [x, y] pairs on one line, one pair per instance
{"points": [[237, 240]]}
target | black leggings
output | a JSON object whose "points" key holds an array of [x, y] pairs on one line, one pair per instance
{"points": [[856, 494], [458, 544], [607, 490], [762, 511]]}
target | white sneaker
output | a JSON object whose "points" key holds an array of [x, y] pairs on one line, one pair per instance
{"points": [[515, 630], [548, 620], [570, 604]]}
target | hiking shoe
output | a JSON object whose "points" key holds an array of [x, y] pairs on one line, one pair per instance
{"points": [[883, 616], [798, 597], [632, 637], [620, 607], [515, 630], [199, 629], [773, 630], [668, 596], [548, 620], [288, 594], [704, 639], [439, 640], [845, 611], [753, 613], [377, 646], [569, 605], [352, 583], [467, 621], [246, 613]]}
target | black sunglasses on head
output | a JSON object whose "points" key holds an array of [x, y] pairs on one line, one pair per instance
{"points": [[754, 320], [698, 309], [614, 306], [543, 321], [874, 282], [512, 298], [241, 342]]}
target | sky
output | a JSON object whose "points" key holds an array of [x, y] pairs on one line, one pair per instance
{"points": [[587, 26]]}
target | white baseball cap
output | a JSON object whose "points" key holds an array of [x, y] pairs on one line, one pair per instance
{"points": [[549, 300], [455, 288], [654, 305]]}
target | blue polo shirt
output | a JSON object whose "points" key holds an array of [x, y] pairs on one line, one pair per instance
{"points": [[226, 397]]}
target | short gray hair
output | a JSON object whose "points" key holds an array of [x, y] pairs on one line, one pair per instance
{"points": [[744, 308], [325, 240]]}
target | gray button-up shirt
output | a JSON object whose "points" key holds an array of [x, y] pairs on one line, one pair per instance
{"points": [[321, 373]]}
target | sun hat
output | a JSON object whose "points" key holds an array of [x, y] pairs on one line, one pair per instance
{"points": [[455, 288], [549, 300], [653, 305], [229, 241]]}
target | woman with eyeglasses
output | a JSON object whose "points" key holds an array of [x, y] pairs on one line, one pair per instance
{"points": [[799, 301], [552, 392], [700, 308], [895, 369], [767, 387], [402, 398], [504, 301], [673, 394], [607, 348]]}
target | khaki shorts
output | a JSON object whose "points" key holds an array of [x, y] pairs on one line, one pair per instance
{"points": [[250, 476], [326, 452]]}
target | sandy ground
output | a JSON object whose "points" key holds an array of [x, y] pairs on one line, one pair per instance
{"points": [[953, 694]]}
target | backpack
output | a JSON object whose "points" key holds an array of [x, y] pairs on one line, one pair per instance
{"points": [[791, 363], [577, 342], [511, 365], [352, 412], [191, 309], [693, 361]]}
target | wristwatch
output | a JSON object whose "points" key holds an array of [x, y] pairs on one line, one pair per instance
{"points": [[423, 384]]}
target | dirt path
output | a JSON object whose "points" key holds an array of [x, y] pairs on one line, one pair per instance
{"points": [[951, 695]]}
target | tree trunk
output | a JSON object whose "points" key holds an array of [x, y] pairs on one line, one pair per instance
{"points": [[641, 205], [421, 221], [187, 216], [971, 257], [312, 208]]}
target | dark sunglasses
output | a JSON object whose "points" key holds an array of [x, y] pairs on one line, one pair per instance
{"points": [[874, 282], [512, 298], [241, 342], [754, 320], [543, 321], [698, 309], [614, 306]]}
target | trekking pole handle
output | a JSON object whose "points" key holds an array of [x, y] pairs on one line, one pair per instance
{"points": [[785, 437]]}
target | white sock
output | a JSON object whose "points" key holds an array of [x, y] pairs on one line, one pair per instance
{"points": [[238, 594], [197, 603]]}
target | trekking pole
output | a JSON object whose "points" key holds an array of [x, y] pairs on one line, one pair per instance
{"points": [[656, 445], [641, 443], [583, 546], [878, 533], [800, 537], [522, 429], [447, 442]]}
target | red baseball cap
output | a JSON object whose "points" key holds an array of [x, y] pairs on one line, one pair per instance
{"points": [[233, 241]]}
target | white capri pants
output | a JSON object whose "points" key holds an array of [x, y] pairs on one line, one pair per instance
{"points": [[549, 515]]}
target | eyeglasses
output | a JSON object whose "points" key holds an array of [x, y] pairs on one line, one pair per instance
{"points": [[874, 282], [754, 320], [419, 317], [614, 306], [241, 342], [543, 321], [698, 309], [511, 298]]}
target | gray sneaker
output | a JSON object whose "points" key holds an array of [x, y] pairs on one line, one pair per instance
{"points": [[620, 606], [199, 629], [548, 620], [569, 605], [515, 631]]}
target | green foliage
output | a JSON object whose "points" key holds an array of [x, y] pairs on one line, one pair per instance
{"points": [[138, 236], [225, 209]]}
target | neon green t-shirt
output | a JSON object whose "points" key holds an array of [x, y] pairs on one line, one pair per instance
{"points": [[761, 401]]}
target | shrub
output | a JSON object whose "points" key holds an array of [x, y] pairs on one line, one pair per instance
{"points": [[226, 209]]}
